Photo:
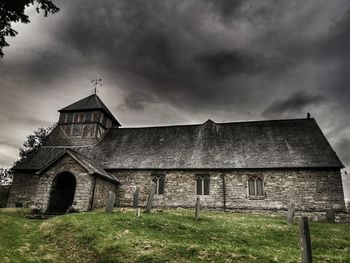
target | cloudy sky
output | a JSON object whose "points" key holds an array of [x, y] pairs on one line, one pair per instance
{"points": [[180, 62]]}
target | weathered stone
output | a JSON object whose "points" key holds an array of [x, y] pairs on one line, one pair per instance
{"points": [[198, 207], [135, 202], [291, 213], [31, 190], [309, 190], [150, 198], [330, 216], [110, 202]]}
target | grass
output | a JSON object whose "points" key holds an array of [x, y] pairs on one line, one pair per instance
{"points": [[169, 236]]}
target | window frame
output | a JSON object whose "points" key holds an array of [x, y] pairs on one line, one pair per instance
{"points": [[255, 179], [88, 116], [68, 115], [156, 178], [204, 189]]}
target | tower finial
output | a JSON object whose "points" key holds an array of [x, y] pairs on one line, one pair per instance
{"points": [[96, 83]]}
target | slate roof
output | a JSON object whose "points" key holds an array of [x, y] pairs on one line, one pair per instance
{"points": [[92, 102], [54, 154], [294, 143]]}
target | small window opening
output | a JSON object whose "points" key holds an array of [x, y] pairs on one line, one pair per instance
{"points": [[202, 184], [255, 186], [159, 181]]}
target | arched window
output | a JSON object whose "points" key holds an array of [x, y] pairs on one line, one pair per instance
{"points": [[255, 186], [159, 181], [202, 184], [251, 187]]}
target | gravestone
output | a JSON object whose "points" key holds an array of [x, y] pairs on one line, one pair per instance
{"points": [[150, 198], [198, 207], [305, 240], [330, 216], [138, 212], [135, 201], [110, 202], [291, 213]]}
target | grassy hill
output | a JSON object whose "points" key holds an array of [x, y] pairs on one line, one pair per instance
{"points": [[169, 236]]}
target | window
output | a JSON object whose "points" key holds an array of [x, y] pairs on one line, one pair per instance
{"points": [[69, 117], [95, 116], [255, 186], [81, 117], [202, 184], [159, 180], [88, 116], [76, 117]]}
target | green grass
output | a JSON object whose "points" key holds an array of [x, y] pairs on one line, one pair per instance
{"points": [[169, 236]]}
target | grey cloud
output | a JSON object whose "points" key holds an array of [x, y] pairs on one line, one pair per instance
{"points": [[132, 102], [166, 61], [226, 63], [296, 103], [229, 59]]}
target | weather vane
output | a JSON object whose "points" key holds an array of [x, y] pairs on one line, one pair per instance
{"points": [[96, 83]]}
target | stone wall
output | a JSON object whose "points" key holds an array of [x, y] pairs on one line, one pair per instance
{"points": [[309, 190], [4, 194], [83, 190], [22, 189], [31, 190], [102, 187]]}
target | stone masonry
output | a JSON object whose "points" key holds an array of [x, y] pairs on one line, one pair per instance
{"points": [[101, 192], [31, 190], [309, 190]]}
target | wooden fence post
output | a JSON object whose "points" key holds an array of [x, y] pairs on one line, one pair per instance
{"points": [[198, 207], [150, 198], [110, 202], [305, 240], [291, 213], [135, 201]]}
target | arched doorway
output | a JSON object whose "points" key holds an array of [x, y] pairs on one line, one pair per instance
{"points": [[62, 192]]}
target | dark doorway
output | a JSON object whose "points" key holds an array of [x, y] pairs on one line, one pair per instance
{"points": [[62, 193]]}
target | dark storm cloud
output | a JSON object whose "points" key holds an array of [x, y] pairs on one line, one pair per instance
{"points": [[232, 56], [166, 49], [296, 103], [226, 63], [183, 61], [226, 8]]}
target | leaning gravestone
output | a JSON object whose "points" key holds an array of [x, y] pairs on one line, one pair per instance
{"points": [[291, 213], [135, 201], [150, 199], [198, 207], [110, 202], [330, 215]]}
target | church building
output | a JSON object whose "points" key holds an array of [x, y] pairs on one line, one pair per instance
{"points": [[242, 166]]}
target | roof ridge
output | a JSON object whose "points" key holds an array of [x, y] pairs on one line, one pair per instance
{"points": [[217, 123]]}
